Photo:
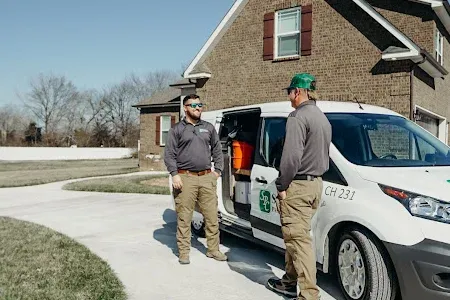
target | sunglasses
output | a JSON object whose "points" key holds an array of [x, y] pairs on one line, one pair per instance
{"points": [[195, 105], [289, 91]]}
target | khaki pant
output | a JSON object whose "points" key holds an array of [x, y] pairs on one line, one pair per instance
{"points": [[202, 189], [301, 203]]}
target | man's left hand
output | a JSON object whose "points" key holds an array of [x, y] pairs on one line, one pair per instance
{"points": [[216, 174]]}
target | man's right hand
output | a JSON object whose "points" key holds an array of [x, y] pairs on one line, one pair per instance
{"points": [[176, 182]]}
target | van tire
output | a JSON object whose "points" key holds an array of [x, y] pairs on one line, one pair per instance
{"points": [[380, 280]]}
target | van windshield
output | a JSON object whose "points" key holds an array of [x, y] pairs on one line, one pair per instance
{"points": [[386, 141]]}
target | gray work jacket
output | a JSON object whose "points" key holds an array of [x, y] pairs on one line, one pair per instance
{"points": [[307, 144], [190, 147]]}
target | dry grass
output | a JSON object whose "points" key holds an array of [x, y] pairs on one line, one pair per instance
{"points": [[13, 174], [149, 184], [38, 263]]}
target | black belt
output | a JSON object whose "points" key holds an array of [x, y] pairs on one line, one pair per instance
{"points": [[196, 173], [306, 177]]}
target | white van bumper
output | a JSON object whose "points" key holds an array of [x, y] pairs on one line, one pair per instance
{"points": [[423, 270]]}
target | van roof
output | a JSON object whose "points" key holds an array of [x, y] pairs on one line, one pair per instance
{"points": [[325, 106]]}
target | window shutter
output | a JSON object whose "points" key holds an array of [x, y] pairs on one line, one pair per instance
{"points": [[306, 32], [158, 131], [172, 121], [268, 36]]}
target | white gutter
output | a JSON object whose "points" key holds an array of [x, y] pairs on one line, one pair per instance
{"points": [[415, 50], [443, 14], [415, 53], [197, 75], [411, 54], [430, 2], [439, 8]]}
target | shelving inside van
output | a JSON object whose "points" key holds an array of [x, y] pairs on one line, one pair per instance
{"points": [[238, 136]]}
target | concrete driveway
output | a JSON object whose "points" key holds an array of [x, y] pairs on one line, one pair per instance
{"points": [[135, 234]]}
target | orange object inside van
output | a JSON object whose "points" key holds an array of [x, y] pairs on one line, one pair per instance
{"points": [[242, 155]]}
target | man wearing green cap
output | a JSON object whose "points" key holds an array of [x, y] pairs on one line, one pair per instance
{"points": [[305, 158]]}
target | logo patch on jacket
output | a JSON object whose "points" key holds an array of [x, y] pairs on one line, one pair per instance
{"points": [[203, 130]]}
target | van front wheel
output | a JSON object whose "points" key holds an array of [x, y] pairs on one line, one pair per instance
{"points": [[364, 272]]}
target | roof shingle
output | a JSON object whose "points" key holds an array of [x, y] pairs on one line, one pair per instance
{"points": [[165, 96]]}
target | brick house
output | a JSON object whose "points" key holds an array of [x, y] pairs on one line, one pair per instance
{"points": [[157, 115], [389, 53]]}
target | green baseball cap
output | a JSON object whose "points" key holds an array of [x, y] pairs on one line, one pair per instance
{"points": [[303, 81]]}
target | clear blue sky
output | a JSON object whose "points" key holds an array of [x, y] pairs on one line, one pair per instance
{"points": [[96, 43]]}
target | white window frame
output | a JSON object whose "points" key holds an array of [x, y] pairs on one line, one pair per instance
{"points": [[161, 122], [276, 35], [439, 47], [442, 129]]}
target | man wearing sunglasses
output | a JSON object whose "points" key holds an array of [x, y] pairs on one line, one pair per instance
{"points": [[190, 145], [304, 160]]}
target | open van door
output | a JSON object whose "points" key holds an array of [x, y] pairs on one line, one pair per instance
{"points": [[264, 216]]}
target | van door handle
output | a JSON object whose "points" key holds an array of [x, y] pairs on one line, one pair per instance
{"points": [[260, 180]]}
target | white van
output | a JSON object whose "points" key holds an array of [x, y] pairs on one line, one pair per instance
{"points": [[384, 222]]}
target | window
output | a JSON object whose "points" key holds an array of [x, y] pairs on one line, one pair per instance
{"points": [[390, 139], [432, 122], [272, 140], [333, 175], [164, 129], [428, 122], [272, 148], [287, 33], [439, 47], [386, 141]]}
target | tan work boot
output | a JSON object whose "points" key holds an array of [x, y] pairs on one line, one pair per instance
{"points": [[217, 255], [184, 259]]}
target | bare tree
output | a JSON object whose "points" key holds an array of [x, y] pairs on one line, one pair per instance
{"points": [[120, 98], [91, 115], [51, 99], [121, 115], [13, 122], [152, 82]]}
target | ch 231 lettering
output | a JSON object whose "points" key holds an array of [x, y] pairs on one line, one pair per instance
{"points": [[345, 194]]}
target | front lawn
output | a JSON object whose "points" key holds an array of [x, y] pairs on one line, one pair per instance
{"points": [[148, 184], [14, 174], [38, 263]]}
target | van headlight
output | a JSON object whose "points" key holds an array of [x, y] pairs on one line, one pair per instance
{"points": [[419, 205]]}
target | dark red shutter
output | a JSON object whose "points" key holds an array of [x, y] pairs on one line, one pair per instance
{"points": [[158, 131], [306, 32], [268, 36], [172, 121]]}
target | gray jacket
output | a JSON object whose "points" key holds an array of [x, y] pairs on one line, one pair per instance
{"points": [[190, 147], [307, 144]]}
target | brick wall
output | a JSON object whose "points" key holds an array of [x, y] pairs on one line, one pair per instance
{"points": [[148, 143], [435, 96], [346, 59], [415, 20]]}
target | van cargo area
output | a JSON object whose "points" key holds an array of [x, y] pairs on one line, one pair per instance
{"points": [[238, 138]]}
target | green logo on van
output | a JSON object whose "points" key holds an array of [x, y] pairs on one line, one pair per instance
{"points": [[264, 201]]}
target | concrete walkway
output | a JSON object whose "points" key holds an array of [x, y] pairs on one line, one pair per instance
{"points": [[135, 234]]}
